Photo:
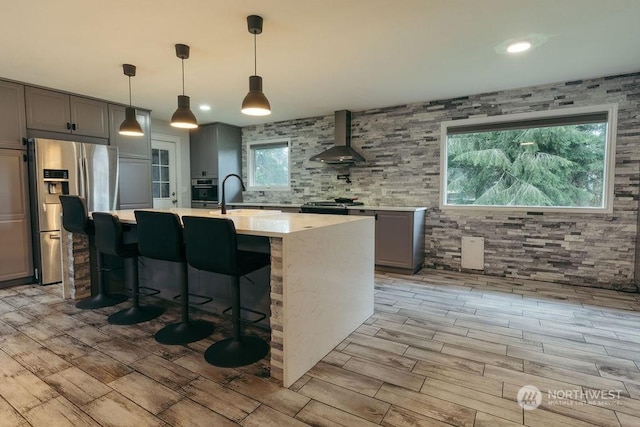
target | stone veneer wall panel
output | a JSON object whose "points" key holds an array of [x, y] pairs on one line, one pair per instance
{"points": [[402, 148], [275, 321], [76, 265]]}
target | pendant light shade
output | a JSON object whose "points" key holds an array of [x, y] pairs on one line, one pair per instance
{"points": [[255, 103], [183, 117], [130, 125]]}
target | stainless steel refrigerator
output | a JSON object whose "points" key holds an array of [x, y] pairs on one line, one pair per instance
{"points": [[64, 167]]}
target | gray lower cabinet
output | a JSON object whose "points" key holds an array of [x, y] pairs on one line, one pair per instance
{"points": [[12, 121], [166, 276], [135, 183], [53, 111], [399, 239], [16, 260]]}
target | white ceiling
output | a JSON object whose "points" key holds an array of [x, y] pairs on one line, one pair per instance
{"points": [[314, 56]]}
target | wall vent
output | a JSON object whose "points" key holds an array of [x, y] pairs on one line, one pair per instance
{"points": [[472, 253]]}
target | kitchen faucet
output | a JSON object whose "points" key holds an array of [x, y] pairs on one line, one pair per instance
{"points": [[223, 203]]}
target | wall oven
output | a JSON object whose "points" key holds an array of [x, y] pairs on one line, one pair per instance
{"points": [[204, 190]]}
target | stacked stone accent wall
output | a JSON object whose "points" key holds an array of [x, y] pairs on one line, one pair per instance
{"points": [[76, 267], [277, 341], [402, 148]]}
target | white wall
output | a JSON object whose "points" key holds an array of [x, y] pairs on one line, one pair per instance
{"points": [[182, 153]]}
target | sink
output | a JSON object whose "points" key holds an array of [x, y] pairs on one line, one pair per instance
{"points": [[246, 212]]}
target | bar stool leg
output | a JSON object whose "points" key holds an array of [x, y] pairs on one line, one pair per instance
{"points": [[136, 313], [187, 331], [103, 298], [240, 350]]}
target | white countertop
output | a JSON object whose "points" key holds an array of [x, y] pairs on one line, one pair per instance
{"points": [[364, 207], [269, 223]]}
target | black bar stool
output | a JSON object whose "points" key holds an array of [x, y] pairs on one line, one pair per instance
{"points": [[109, 241], [160, 237], [212, 246], [75, 219]]}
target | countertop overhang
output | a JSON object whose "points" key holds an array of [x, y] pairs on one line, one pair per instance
{"points": [[272, 224], [354, 207]]}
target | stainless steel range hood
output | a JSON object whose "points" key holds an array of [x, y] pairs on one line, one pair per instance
{"points": [[341, 152]]}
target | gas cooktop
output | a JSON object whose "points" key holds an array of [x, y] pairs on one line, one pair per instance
{"points": [[334, 203]]}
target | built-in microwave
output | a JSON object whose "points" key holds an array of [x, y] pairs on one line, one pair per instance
{"points": [[204, 190]]}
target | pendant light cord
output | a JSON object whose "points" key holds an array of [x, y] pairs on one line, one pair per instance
{"points": [[129, 91], [255, 56], [182, 76]]}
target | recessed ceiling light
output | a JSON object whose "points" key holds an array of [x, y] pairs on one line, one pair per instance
{"points": [[205, 107], [519, 47], [521, 43]]}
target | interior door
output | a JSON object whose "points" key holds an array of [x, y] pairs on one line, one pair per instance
{"points": [[163, 169]]}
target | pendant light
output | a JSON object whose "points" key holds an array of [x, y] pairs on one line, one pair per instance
{"points": [[255, 103], [130, 125], [183, 117]]}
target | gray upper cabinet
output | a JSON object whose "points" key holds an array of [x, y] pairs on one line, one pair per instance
{"points": [[59, 112], [12, 121], [89, 117], [130, 146], [203, 152], [216, 151]]}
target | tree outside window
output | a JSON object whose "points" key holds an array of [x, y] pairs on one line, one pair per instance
{"points": [[269, 165], [551, 162]]}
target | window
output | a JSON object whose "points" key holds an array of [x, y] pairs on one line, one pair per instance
{"points": [[268, 164], [160, 168], [555, 160]]}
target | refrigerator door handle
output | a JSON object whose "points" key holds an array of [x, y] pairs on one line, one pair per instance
{"points": [[88, 194], [81, 180]]}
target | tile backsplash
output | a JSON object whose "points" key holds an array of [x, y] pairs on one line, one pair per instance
{"points": [[402, 148]]}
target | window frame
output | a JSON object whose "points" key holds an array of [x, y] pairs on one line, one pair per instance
{"points": [[251, 164], [160, 167], [609, 160]]}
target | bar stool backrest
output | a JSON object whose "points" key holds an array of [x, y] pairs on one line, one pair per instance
{"points": [[211, 244], [108, 231], [74, 214], [160, 235]]}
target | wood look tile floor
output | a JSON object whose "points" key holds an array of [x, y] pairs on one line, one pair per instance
{"points": [[442, 348]]}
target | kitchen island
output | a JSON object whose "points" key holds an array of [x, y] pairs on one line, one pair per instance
{"points": [[321, 279]]}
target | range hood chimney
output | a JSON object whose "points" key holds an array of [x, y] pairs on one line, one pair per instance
{"points": [[341, 153]]}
